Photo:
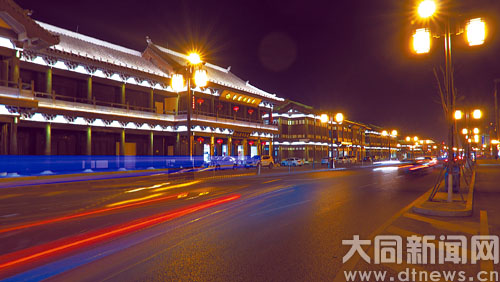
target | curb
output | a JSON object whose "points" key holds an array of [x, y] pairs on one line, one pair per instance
{"points": [[447, 212]]}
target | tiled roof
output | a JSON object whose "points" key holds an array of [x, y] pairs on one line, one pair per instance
{"points": [[14, 15], [221, 75], [92, 48]]}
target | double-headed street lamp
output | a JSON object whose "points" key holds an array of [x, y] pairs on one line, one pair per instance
{"points": [[325, 118], [467, 132], [475, 30], [393, 133], [193, 70]]}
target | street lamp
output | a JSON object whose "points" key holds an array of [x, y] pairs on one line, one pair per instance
{"points": [[192, 70], [426, 8], [477, 114], [422, 41], [476, 34]]}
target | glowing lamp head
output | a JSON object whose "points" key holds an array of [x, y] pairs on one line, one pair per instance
{"points": [[339, 117], [476, 138], [476, 130], [201, 78], [324, 118], [422, 41], [385, 133], [394, 133], [477, 114], [476, 32], [458, 114], [465, 131], [194, 58], [426, 8], [177, 82], [415, 138], [408, 138]]}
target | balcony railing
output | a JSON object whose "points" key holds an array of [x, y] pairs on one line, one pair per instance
{"points": [[26, 90]]}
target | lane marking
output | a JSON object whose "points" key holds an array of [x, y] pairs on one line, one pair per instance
{"points": [[270, 181], [134, 200], [178, 186], [52, 193], [442, 224], [279, 208]]}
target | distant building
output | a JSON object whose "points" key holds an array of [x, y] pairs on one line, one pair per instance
{"points": [[303, 135]]}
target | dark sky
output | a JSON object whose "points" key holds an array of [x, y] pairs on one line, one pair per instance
{"points": [[351, 56]]}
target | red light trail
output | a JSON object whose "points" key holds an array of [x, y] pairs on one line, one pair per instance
{"points": [[39, 252]]}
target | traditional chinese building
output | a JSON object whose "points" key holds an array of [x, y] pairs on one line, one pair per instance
{"points": [[302, 134], [64, 93]]}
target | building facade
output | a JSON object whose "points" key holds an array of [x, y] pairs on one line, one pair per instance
{"points": [[64, 93], [302, 134]]}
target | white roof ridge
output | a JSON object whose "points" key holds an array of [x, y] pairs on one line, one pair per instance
{"points": [[184, 56], [89, 39], [258, 89]]}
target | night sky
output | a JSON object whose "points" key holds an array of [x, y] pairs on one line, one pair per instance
{"points": [[350, 56]]}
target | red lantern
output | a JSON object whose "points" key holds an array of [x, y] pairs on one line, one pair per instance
{"points": [[200, 140], [251, 143], [219, 106], [263, 143], [250, 111], [219, 141], [236, 108], [200, 101]]}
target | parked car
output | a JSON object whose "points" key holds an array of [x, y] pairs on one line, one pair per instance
{"points": [[220, 162], [325, 160], [265, 161], [292, 162]]}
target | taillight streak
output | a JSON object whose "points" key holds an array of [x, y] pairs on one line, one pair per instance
{"points": [[38, 252], [73, 216]]}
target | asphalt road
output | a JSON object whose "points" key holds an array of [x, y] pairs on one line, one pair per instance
{"points": [[273, 227]]}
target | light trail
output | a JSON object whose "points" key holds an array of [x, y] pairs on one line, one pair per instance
{"points": [[52, 248], [63, 218]]}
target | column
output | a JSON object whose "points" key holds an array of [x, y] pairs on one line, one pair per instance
{"points": [[191, 144], [259, 147], [48, 139], [15, 69], [89, 88], [48, 85], [13, 136], [151, 143], [5, 72], [212, 145], [122, 143], [177, 145], [151, 100], [271, 153], [88, 150], [229, 145], [122, 94], [245, 147]]}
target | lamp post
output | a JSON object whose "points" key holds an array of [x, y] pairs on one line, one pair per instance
{"points": [[192, 70], [339, 118], [467, 132], [475, 34]]}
